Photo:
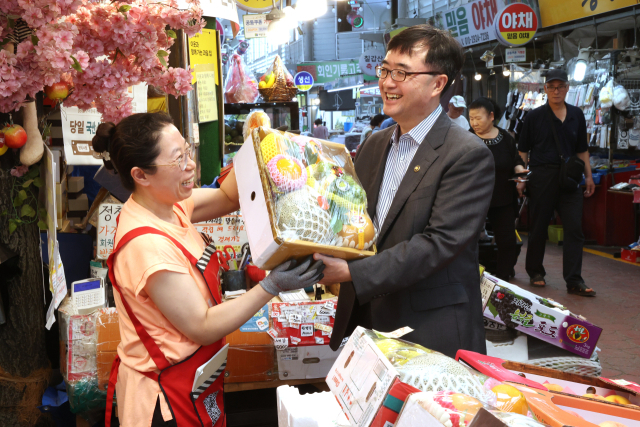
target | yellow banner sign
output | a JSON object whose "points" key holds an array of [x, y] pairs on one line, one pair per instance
{"points": [[553, 12], [203, 50]]}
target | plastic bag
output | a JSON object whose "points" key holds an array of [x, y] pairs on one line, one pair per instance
{"points": [[515, 420], [241, 85], [450, 409], [317, 196], [606, 95], [277, 83]]}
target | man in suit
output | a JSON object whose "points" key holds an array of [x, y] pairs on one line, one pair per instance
{"points": [[429, 187]]}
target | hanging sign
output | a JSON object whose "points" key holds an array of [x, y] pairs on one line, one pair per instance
{"points": [[203, 50], [516, 25], [255, 5], [472, 23], [303, 81], [516, 54], [369, 60], [255, 26], [554, 12], [328, 71]]}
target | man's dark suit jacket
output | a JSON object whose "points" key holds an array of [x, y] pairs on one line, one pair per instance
{"points": [[425, 274]]}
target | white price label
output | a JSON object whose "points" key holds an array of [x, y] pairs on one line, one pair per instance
{"points": [[281, 343], [319, 340], [295, 340], [295, 318], [306, 330]]}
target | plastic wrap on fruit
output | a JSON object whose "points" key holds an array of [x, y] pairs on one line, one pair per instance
{"points": [[449, 408], [270, 78], [510, 399], [515, 420], [254, 120], [241, 85], [397, 351]]}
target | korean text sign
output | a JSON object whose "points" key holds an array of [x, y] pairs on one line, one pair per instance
{"points": [[226, 230], [107, 214], [516, 25], [472, 23]]}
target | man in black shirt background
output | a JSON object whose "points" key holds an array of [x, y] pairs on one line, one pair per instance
{"points": [[539, 151]]}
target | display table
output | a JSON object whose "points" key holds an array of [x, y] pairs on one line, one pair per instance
{"points": [[606, 217], [634, 206]]}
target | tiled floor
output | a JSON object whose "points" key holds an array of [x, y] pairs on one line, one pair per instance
{"points": [[616, 308]]}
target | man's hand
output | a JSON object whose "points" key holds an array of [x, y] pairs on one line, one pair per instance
{"points": [[591, 187], [336, 270]]}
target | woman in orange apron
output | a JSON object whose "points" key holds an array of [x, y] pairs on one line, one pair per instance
{"points": [[166, 279]]}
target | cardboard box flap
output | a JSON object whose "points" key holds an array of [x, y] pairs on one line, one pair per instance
{"points": [[622, 385], [551, 408], [494, 367]]}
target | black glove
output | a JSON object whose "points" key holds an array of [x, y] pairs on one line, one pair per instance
{"points": [[291, 275]]}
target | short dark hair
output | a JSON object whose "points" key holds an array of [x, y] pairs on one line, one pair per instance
{"points": [[134, 142], [444, 53], [318, 122], [488, 104], [377, 120]]}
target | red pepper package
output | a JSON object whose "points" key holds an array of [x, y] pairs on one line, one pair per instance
{"points": [[241, 85]]}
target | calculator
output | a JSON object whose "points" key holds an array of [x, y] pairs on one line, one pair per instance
{"points": [[88, 295]]}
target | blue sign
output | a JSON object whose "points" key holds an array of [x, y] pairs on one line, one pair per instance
{"points": [[303, 81], [259, 322]]}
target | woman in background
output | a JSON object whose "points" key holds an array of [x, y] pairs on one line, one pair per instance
{"points": [[482, 114]]}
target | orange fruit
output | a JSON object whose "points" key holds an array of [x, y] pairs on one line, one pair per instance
{"points": [[553, 387], [510, 399], [289, 168]]}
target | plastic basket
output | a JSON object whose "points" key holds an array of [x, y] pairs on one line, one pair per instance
{"points": [[556, 234]]}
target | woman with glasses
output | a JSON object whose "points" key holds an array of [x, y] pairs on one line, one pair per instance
{"points": [[165, 279], [482, 115]]}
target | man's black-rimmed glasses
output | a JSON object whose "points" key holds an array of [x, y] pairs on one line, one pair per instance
{"points": [[400, 75]]}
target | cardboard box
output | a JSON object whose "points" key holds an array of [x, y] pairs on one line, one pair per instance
{"points": [[305, 362], [541, 318], [268, 248], [79, 203], [629, 255], [361, 378], [108, 329], [104, 361], [75, 184], [251, 357], [392, 404], [553, 409]]}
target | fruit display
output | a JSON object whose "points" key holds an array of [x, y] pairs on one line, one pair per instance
{"points": [[57, 91], [241, 85], [277, 83], [317, 197], [14, 136], [448, 408], [510, 399], [254, 120]]}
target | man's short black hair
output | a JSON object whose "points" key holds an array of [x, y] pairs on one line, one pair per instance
{"points": [[444, 53], [318, 122]]}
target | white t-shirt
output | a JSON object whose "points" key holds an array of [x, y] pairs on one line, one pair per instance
{"points": [[462, 122]]}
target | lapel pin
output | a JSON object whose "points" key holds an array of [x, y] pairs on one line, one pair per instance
{"points": [[416, 169]]}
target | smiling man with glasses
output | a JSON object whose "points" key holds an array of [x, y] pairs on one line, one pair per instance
{"points": [[429, 185], [556, 124]]}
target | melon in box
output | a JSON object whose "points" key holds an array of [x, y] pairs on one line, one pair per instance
{"points": [[299, 196], [547, 320]]}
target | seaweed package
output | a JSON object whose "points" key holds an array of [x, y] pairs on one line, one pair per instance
{"points": [[317, 197]]}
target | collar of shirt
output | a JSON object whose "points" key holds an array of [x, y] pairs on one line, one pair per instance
{"points": [[418, 133]]}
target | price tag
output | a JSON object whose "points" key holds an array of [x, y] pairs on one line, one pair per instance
{"points": [[281, 343], [306, 330], [319, 340], [321, 327], [272, 333], [295, 340], [275, 313], [295, 318], [323, 319]]}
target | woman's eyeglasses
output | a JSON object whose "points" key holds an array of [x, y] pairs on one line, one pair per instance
{"points": [[183, 160], [400, 75]]}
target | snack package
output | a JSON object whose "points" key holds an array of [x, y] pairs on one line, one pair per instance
{"points": [[254, 120], [277, 83], [241, 85], [316, 194], [448, 408], [429, 370]]}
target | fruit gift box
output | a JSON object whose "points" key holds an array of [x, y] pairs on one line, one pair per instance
{"points": [[299, 196], [541, 318], [277, 83]]}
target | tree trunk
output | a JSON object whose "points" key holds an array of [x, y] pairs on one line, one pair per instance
{"points": [[24, 367]]}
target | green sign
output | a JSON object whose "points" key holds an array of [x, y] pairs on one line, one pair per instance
{"points": [[329, 71]]}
